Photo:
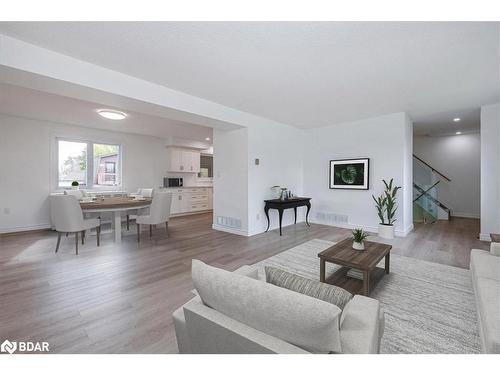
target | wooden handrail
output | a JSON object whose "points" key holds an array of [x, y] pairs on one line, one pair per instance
{"points": [[432, 169]]}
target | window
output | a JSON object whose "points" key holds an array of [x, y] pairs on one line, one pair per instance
{"points": [[93, 165], [72, 163], [206, 166]]}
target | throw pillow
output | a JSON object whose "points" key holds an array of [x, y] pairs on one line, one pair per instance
{"points": [[312, 288]]}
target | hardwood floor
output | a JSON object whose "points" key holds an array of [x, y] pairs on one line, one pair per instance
{"points": [[120, 298]]}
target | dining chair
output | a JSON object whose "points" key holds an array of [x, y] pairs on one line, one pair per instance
{"points": [[159, 213], [68, 218], [77, 193], [146, 193]]}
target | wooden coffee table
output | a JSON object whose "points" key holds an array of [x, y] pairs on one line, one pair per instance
{"points": [[365, 261]]}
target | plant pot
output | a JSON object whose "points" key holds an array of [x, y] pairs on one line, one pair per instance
{"points": [[358, 245], [74, 187], [386, 231]]}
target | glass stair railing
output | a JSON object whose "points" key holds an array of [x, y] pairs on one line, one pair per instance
{"points": [[426, 206]]}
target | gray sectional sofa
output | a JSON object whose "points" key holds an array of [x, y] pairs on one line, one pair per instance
{"points": [[236, 312], [485, 272]]}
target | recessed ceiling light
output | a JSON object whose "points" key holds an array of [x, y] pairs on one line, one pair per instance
{"points": [[456, 119], [111, 114], [458, 133], [207, 139]]}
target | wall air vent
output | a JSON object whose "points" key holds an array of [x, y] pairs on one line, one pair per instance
{"points": [[329, 217], [229, 222]]}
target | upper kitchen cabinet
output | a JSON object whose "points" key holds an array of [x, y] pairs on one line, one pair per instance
{"points": [[183, 160]]}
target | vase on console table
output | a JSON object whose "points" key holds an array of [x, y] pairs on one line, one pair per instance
{"points": [[284, 194]]}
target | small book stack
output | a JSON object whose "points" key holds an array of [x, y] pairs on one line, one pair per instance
{"points": [[355, 274]]}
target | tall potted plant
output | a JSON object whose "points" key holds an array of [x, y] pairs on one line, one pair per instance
{"points": [[386, 209]]}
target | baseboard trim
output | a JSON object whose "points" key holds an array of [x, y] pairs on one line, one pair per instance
{"points": [[221, 228], [465, 215], [404, 233], [25, 228], [485, 237]]}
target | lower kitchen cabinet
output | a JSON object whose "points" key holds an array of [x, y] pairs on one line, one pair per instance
{"points": [[188, 200]]}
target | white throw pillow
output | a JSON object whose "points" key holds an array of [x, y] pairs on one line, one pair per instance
{"points": [[301, 320]]}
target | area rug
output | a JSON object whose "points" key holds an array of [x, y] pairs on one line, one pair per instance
{"points": [[429, 307]]}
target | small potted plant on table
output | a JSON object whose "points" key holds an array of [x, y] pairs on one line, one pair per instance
{"points": [[386, 210], [75, 185], [358, 239]]}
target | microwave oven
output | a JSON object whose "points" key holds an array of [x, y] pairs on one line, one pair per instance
{"points": [[172, 182]]}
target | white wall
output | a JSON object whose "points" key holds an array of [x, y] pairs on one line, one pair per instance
{"points": [[387, 141], [27, 173], [279, 149], [459, 158], [490, 170], [407, 192], [241, 186], [230, 181]]}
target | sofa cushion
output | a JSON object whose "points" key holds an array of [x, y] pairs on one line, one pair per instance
{"points": [[488, 299], [312, 288], [301, 320], [362, 326], [484, 264]]}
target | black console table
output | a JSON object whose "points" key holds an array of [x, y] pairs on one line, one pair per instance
{"points": [[281, 206]]}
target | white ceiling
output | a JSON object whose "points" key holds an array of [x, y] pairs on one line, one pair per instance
{"points": [[439, 124], [19, 101], [305, 74]]}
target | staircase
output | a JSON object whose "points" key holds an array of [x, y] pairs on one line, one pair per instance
{"points": [[427, 208]]}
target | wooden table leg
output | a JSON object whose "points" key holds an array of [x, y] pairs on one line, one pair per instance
{"points": [[387, 260], [308, 205], [295, 214], [366, 283], [322, 270], [280, 213], [266, 211]]}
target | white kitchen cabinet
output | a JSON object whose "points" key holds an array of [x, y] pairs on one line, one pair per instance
{"points": [[194, 164], [183, 160], [179, 204], [189, 200], [174, 161], [210, 199]]}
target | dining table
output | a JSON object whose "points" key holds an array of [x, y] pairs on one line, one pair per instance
{"points": [[117, 206]]}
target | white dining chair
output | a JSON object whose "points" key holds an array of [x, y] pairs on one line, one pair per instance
{"points": [[159, 213], [146, 193], [68, 218], [77, 193]]}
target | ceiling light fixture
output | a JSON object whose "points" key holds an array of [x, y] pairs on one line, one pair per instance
{"points": [[111, 114], [207, 139], [456, 119], [458, 133]]}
